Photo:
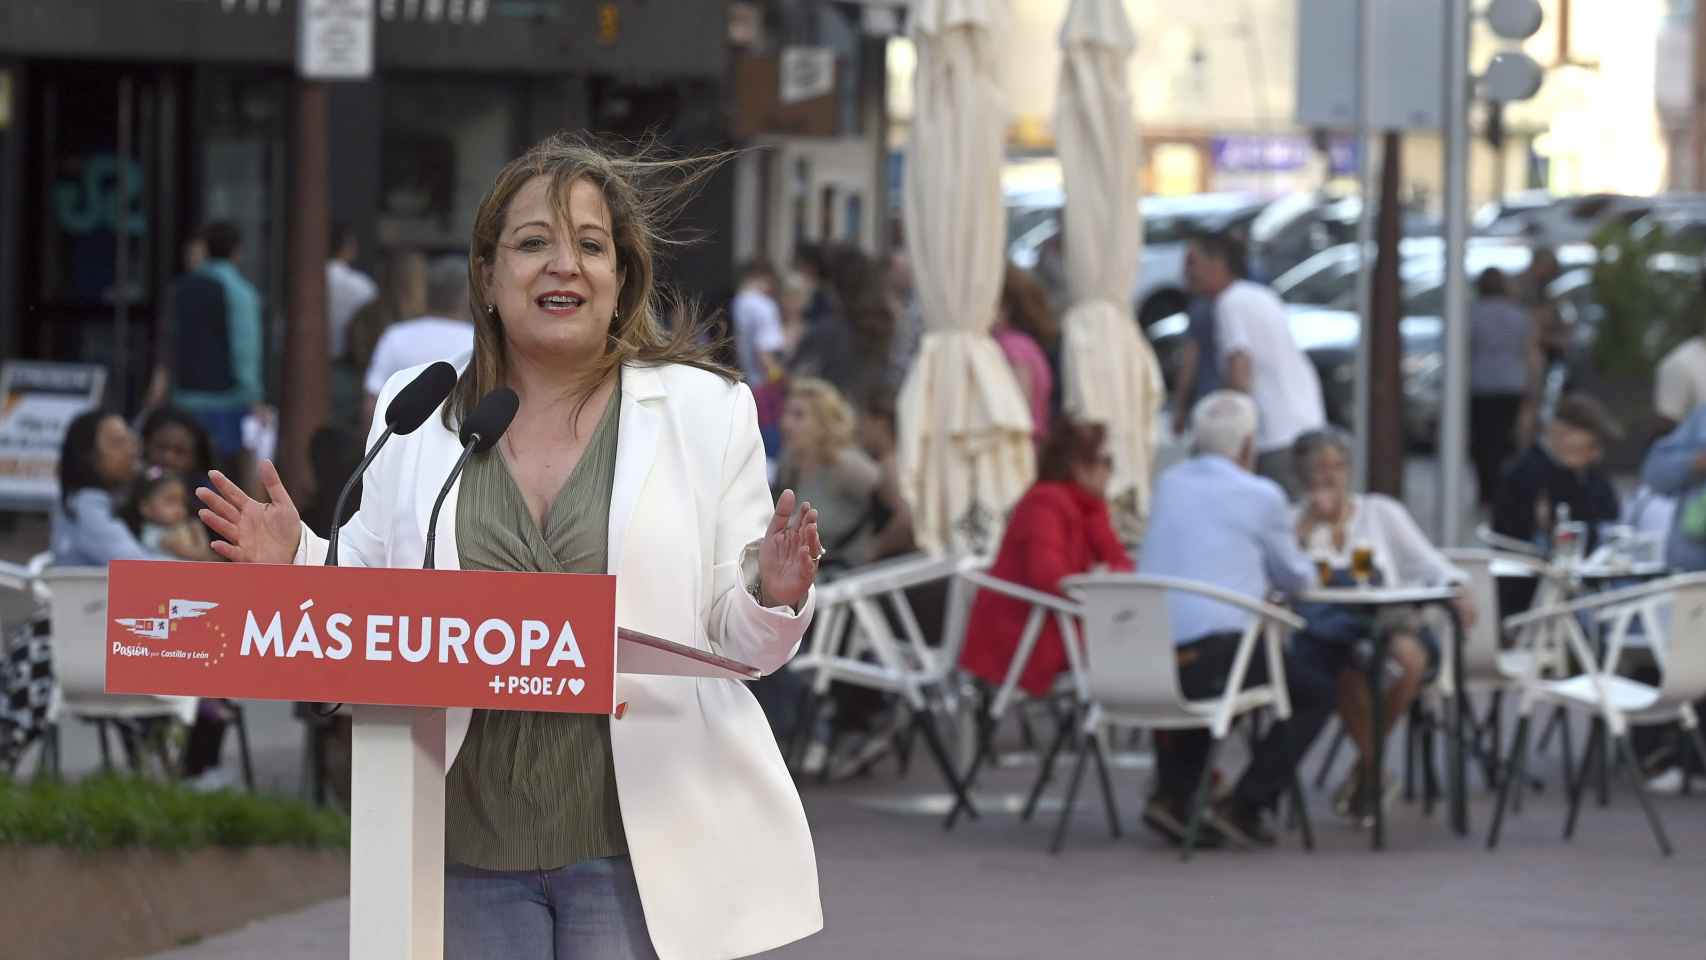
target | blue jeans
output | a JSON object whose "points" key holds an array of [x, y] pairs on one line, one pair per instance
{"points": [[585, 911]]}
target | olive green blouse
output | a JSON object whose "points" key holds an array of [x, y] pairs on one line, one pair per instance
{"points": [[535, 791]]}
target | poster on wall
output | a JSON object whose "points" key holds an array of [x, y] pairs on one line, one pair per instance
{"points": [[38, 401]]}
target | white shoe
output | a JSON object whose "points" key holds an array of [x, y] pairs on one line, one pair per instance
{"points": [[211, 780], [1668, 783], [816, 756]]}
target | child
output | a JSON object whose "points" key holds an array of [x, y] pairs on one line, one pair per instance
{"points": [[159, 514]]}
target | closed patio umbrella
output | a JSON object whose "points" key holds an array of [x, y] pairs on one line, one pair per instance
{"points": [[1109, 370], [965, 452]]}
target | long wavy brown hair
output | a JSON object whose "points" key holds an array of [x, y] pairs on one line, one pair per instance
{"points": [[645, 190], [1026, 303]]}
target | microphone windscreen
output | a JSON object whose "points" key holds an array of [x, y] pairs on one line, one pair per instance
{"points": [[415, 402], [490, 418]]}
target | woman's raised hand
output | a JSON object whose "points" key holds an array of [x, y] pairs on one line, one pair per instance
{"points": [[252, 531], [787, 562]]}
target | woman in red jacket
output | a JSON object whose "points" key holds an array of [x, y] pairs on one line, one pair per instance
{"points": [[1059, 528]]}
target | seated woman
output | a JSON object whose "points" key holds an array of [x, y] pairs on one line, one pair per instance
{"points": [[98, 462], [1332, 522], [825, 467], [1060, 527]]}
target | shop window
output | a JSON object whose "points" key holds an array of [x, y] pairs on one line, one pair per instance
{"points": [[443, 144]]}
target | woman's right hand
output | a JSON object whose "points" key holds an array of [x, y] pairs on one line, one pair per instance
{"points": [[253, 532]]}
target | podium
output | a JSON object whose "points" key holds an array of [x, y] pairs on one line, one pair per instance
{"points": [[399, 646]]}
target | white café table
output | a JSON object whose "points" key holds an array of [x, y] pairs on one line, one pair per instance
{"points": [[1376, 597]]}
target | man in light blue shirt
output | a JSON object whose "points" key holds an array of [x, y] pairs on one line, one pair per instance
{"points": [[1216, 522], [1676, 467]]}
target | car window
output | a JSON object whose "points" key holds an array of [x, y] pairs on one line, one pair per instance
{"points": [[1159, 230], [1321, 286], [1426, 302]]}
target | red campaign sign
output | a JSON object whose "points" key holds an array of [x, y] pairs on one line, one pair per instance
{"points": [[420, 638]]}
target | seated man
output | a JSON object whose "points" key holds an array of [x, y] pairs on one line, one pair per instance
{"points": [[1563, 468], [1214, 521]]}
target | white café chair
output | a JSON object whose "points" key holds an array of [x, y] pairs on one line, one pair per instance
{"points": [[852, 641], [1616, 702], [1043, 606], [1489, 666], [26, 577], [77, 603], [1492, 667], [1132, 678]]}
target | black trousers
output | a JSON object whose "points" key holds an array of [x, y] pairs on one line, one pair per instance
{"points": [[1203, 670], [207, 738], [1492, 437]]}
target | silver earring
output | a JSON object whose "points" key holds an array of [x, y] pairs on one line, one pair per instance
{"points": [[491, 310]]}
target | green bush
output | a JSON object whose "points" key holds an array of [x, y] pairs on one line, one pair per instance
{"points": [[1648, 310], [104, 813]]}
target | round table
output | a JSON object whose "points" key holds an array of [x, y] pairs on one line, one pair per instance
{"points": [[1585, 572], [1407, 597]]}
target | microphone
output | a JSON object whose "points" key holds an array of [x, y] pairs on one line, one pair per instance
{"points": [[406, 411], [480, 432]]}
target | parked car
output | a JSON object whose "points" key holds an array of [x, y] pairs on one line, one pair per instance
{"points": [[1555, 221], [1682, 216], [1295, 227], [1168, 223], [1321, 302], [1329, 338]]}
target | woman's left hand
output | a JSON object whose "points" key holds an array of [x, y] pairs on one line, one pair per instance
{"points": [[787, 561]]}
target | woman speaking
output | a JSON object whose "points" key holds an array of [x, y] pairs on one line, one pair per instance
{"points": [[675, 830]]}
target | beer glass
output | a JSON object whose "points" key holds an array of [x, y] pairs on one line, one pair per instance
{"points": [[1362, 564], [1324, 569]]}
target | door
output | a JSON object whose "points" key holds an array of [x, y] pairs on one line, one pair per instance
{"points": [[96, 223]]}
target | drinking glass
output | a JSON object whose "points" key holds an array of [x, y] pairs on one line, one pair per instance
{"points": [[1362, 564]]}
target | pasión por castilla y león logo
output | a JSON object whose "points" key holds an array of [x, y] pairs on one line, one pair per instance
{"points": [[166, 628], [159, 628]]}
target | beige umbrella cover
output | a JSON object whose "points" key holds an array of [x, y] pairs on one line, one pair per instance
{"points": [[1109, 369], [964, 451]]}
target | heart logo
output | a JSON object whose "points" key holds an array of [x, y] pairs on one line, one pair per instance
{"points": [[576, 686]]}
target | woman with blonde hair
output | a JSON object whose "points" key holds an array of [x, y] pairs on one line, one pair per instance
{"points": [[674, 829], [822, 462]]}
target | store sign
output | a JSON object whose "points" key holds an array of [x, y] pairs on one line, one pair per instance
{"points": [[38, 401], [806, 73], [1277, 153], [334, 39], [434, 11]]}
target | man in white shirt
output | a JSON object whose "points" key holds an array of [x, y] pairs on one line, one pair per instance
{"points": [[1257, 354], [1680, 386], [758, 323], [445, 332], [347, 289]]}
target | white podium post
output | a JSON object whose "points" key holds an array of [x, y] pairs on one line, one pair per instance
{"points": [[397, 834]]}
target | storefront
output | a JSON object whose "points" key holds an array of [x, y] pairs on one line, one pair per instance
{"points": [[125, 126]]}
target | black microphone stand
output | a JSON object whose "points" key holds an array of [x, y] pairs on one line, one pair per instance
{"points": [[432, 523], [343, 497]]}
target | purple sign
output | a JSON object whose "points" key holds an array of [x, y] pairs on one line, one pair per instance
{"points": [[1278, 153]]}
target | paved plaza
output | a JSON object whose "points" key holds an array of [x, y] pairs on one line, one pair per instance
{"points": [[895, 885]]}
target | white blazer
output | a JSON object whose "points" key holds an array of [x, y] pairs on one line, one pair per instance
{"points": [[718, 837]]}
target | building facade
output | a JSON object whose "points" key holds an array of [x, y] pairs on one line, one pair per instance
{"points": [[123, 126]]}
